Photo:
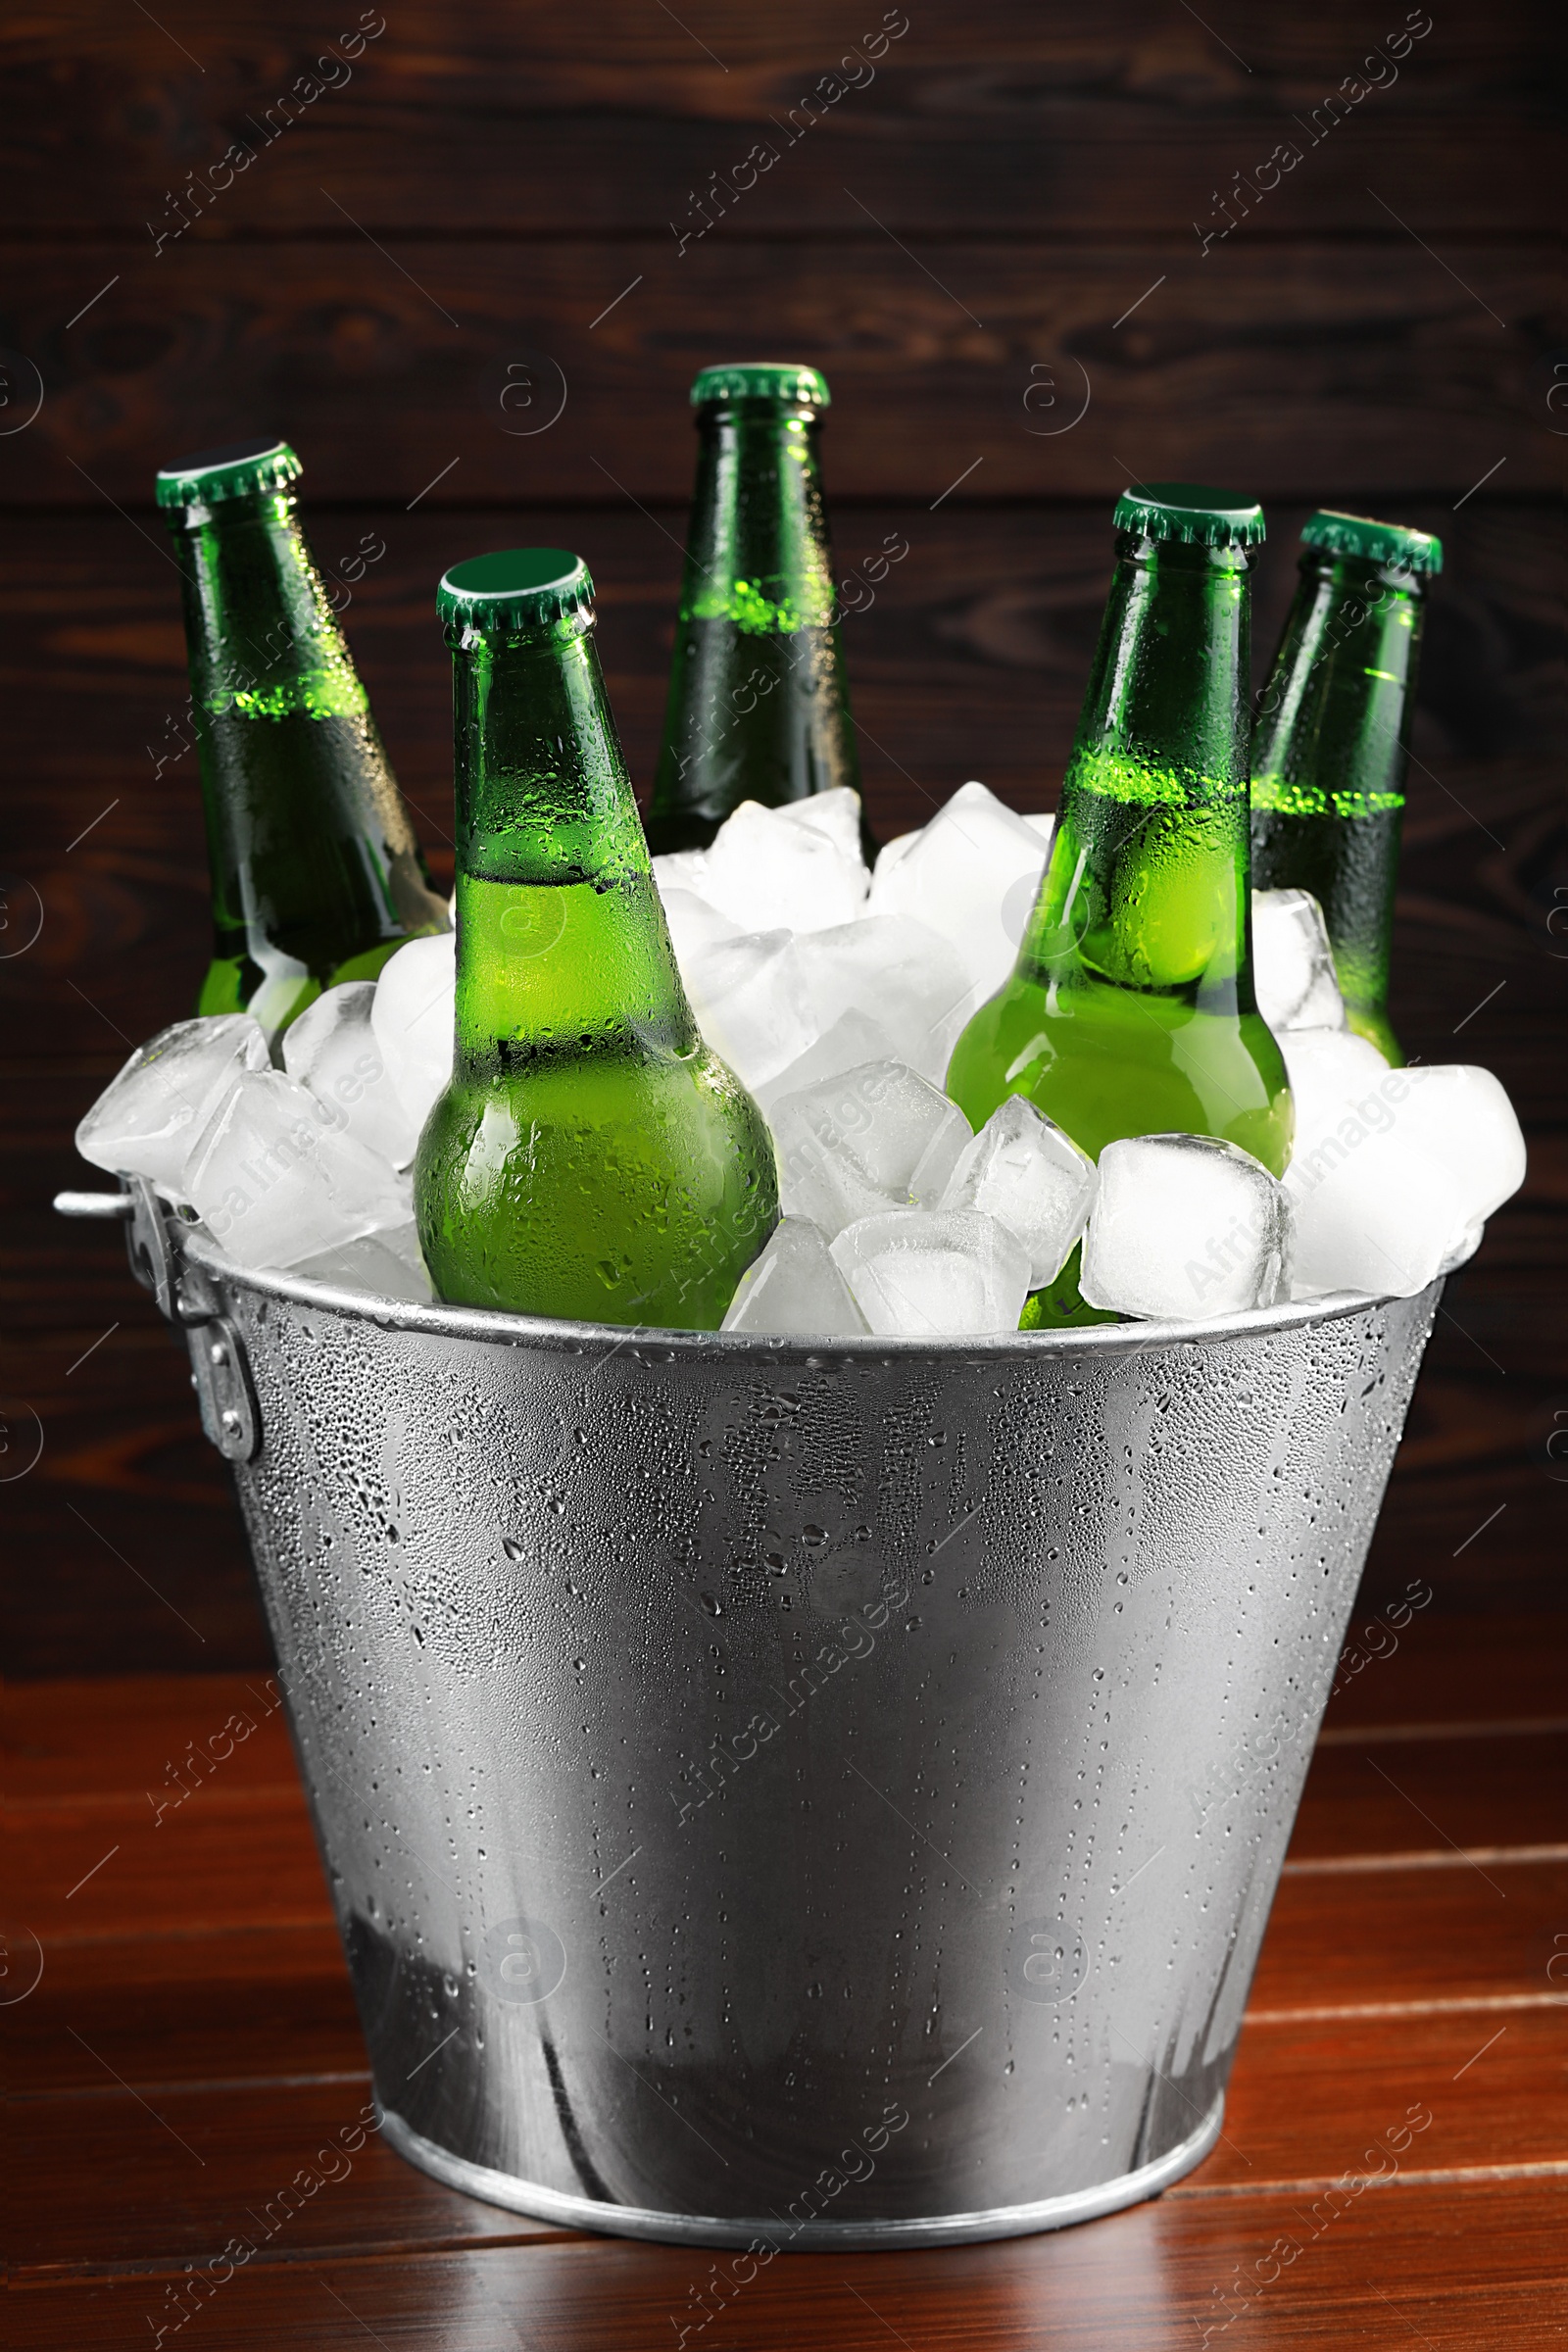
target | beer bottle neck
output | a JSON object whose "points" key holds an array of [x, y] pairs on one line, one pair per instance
{"points": [[757, 710], [757, 555], [1164, 719], [263, 639], [1331, 732], [1146, 888], [561, 944], [542, 792]]}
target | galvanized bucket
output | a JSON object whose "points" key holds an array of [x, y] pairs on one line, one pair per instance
{"points": [[787, 1795]]}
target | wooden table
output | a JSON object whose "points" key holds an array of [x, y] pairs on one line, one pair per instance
{"points": [[188, 2071]]}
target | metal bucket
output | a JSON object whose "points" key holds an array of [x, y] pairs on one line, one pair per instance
{"points": [[798, 1795]]}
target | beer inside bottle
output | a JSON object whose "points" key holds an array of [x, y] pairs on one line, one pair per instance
{"points": [[591, 1157], [1331, 744], [1130, 1010], [315, 872], [759, 707]]}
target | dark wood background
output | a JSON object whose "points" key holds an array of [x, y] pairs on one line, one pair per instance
{"points": [[1010, 203]]}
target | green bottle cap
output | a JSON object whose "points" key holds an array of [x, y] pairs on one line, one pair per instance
{"points": [[1191, 511], [763, 379], [523, 591], [210, 475], [1390, 543]]}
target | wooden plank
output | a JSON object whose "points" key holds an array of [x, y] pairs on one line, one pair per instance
{"points": [[88, 1867], [261, 2002], [1007, 124], [102, 1871], [93, 1750], [157, 1509], [1285, 369], [1437, 1795], [1398, 1942], [269, 2002], [1453, 2266], [972, 661], [153, 1573], [1421, 1668], [74, 1744], [970, 657], [252, 2004], [1306, 2096], [173, 2179], [131, 1508]]}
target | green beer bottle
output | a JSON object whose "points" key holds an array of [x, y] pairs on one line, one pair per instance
{"points": [[758, 708], [589, 1158], [1130, 1010], [316, 876], [1331, 744]]}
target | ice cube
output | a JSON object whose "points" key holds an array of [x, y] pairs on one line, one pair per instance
{"points": [[915, 1140], [794, 1288], [147, 1119], [749, 1005], [893, 852], [835, 814], [765, 869], [853, 1039], [1463, 1116], [1392, 1170], [971, 874], [1293, 962], [276, 1181], [681, 870], [412, 1019], [1042, 823], [1385, 1217], [387, 1264], [927, 1273], [1023, 1171], [694, 925], [900, 974], [1185, 1226], [877, 1136], [332, 1049], [816, 1132], [1329, 1069]]}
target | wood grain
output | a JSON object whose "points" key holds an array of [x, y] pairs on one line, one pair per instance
{"points": [[1309, 371], [257, 2003], [1121, 123], [972, 661], [1462, 2263], [174, 2175]]}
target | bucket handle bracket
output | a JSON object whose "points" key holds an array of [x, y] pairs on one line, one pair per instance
{"points": [[221, 1376], [220, 1372]]}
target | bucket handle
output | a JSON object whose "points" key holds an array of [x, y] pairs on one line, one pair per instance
{"points": [[220, 1372]]}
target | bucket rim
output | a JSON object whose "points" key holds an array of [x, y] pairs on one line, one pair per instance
{"points": [[554, 1336]]}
